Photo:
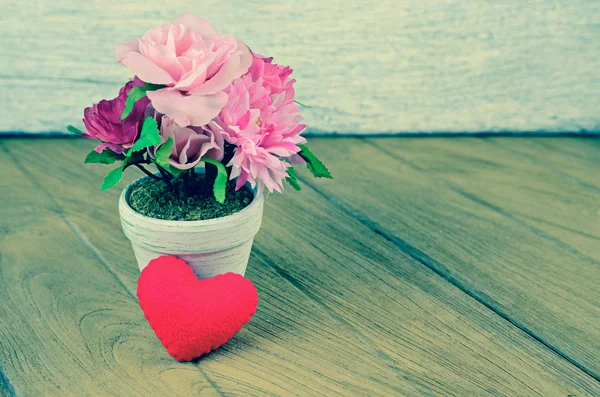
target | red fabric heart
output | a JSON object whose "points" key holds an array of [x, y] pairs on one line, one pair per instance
{"points": [[191, 317]]}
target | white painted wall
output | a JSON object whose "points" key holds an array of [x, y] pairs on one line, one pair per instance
{"points": [[364, 66]]}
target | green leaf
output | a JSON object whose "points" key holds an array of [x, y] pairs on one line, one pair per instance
{"points": [[175, 171], [74, 130], [112, 178], [292, 180], [162, 158], [150, 136], [132, 157], [301, 104], [153, 87], [106, 157], [135, 94], [220, 181], [314, 165], [164, 152]]}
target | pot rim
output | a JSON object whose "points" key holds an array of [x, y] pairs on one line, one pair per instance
{"points": [[124, 206]]}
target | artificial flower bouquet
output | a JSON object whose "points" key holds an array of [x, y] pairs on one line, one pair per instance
{"points": [[198, 98]]}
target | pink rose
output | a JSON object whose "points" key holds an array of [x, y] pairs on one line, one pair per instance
{"points": [[193, 61], [190, 143]]}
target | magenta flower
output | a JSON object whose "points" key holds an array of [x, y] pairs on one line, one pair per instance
{"points": [[193, 61], [191, 143], [103, 122], [263, 121]]}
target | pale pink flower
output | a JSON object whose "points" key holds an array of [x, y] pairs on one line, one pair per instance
{"points": [[263, 121], [193, 61], [252, 163], [275, 77], [190, 143]]}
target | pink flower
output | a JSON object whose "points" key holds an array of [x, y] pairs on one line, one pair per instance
{"points": [[103, 121], [193, 61], [190, 143], [263, 121], [275, 77], [252, 163]]}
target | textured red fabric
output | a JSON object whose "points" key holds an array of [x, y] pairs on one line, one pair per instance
{"points": [[191, 317]]}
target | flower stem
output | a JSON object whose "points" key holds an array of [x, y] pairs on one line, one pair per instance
{"points": [[165, 176], [210, 174], [145, 171], [136, 163], [193, 179], [188, 187], [229, 152]]}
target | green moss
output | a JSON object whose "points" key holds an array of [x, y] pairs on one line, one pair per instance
{"points": [[154, 199]]}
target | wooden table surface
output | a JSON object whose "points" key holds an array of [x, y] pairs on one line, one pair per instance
{"points": [[454, 267]]}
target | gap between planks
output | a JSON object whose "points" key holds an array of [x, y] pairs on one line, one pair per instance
{"points": [[335, 318], [6, 388], [441, 270]]}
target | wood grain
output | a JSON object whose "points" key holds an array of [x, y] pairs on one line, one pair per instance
{"points": [[290, 347], [576, 161], [364, 66], [545, 290], [66, 326], [544, 193], [343, 310]]}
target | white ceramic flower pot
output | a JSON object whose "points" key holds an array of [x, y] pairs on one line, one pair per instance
{"points": [[210, 247]]}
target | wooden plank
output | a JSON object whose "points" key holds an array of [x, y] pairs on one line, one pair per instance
{"points": [[573, 159], [547, 291], [438, 340], [556, 206], [66, 325], [584, 149], [291, 345], [544, 194], [366, 66]]}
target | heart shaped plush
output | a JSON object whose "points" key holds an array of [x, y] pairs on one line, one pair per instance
{"points": [[191, 317]]}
